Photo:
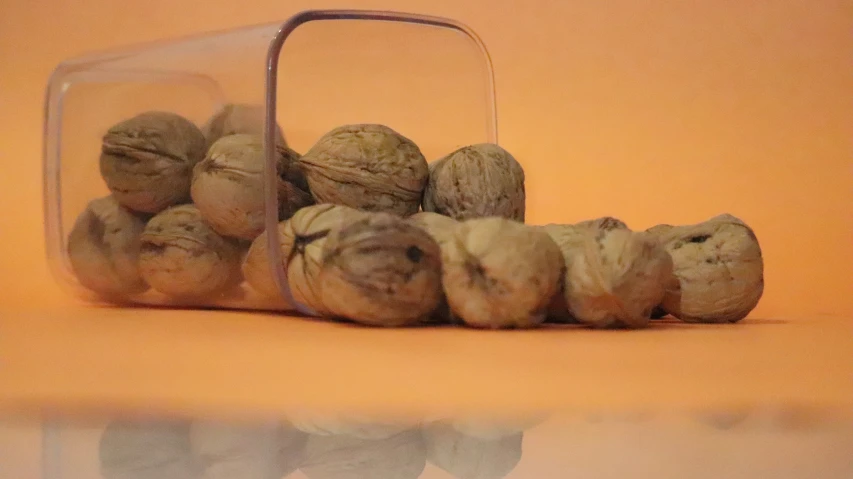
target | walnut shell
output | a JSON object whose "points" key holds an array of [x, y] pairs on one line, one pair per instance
{"points": [[441, 228], [470, 457], [103, 248], [147, 161], [616, 278], [142, 450], [246, 451], [380, 271], [719, 267], [367, 167], [499, 273], [236, 118], [402, 456], [182, 256], [228, 186], [301, 240], [476, 181]]}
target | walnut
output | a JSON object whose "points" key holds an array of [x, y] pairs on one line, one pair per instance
{"points": [[354, 425], [103, 248], [235, 118], [367, 167], [499, 273], [470, 457], [301, 240], [146, 450], [246, 451], [476, 181], [614, 276], [402, 456], [228, 186], [147, 161], [380, 271], [719, 268], [182, 256], [441, 228]]}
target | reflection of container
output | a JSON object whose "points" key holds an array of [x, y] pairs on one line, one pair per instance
{"points": [[428, 78]]}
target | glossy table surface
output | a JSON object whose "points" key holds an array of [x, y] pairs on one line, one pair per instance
{"points": [[68, 358]]}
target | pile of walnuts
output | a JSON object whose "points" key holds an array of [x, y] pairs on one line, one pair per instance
{"points": [[370, 232]]}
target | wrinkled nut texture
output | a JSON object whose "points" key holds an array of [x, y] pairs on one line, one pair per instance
{"points": [[441, 228], [301, 240], [367, 167], [719, 267], [236, 118], [131, 450], [499, 273], [402, 456], [228, 188], [103, 248], [147, 161], [470, 457], [380, 271], [616, 277], [476, 181], [246, 451], [182, 256]]}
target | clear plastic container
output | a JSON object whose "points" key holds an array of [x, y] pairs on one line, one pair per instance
{"points": [[112, 167]]}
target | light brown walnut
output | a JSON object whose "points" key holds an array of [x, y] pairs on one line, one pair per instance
{"points": [[367, 167], [147, 161], [182, 256], [476, 181], [499, 273], [719, 269], [103, 249], [381, 271], [228, 186]]}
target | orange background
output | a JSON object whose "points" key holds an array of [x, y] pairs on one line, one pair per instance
{"points": [[658, 111]]}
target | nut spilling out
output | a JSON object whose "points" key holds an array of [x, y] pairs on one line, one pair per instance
{"points": [[499, 273], [614, 277], [380, 271], [301, 240], [719, 270], [367, 167], [474, 182], [147, 160]]}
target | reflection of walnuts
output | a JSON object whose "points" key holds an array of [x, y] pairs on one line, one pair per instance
{"points": [[368, 167], [228, 186], [470, 457], [380, 271], [402, 456], [718, 268], [301, 240], [129, 449], [103, 248], [182, 256], [147, 160], [476, 181]]}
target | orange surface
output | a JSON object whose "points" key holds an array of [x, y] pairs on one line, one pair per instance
{"points": [[648, 111]]}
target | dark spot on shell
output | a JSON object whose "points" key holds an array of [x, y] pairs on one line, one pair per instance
{"points": [[189, 227], [152, 248], [698, 238], [414, 254]]}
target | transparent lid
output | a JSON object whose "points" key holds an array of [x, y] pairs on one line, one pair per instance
{"points": [[430, 79]]}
